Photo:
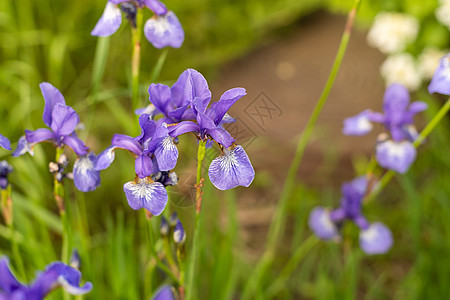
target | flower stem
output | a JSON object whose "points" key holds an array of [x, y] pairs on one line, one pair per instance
{"points": [[198, 200], [422, 136], [7, 210], [136, 59], [278, 223]]}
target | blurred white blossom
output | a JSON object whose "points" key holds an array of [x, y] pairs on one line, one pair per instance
{"points": [[401, 68], [391, 32], [429, 61], [443, 12]]}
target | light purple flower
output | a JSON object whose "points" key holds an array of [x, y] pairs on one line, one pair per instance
{"points": [[377, 239], [57, 274], [85, 176], [440, 83], [153, 141], [321, 224], [397, 156], [164, 293], [144, 193], [179, 235], [162, 30], [358, 125], [62, 121], [231, 169], [5, 143], [326, 223]]}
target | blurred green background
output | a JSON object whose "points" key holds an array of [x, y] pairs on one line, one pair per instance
{"points": [[49, 40]]}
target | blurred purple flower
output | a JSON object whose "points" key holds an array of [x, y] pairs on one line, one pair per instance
{"points": [[5, 143], [56, 274], [179, 235], [162, 30], [5, 169], [440, 83], [374, 238], [164, 293], [399, 153]]}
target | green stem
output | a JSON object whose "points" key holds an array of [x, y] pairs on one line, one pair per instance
{"points": [[422, 136], [278, 223], [136, 59], [159, 64], [291, 265], [190, 293], [7, 207]]}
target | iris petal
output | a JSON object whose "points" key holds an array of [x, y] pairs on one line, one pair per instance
{"points": [[146, 194], [126, 142], [22, 147], [77, 145], [226, 101], [85, 177], [52, 96], [377, 239], [164, 31], [69, 278], [64, 120], [231, 170], [357, 125], [164, 293], [5, 143], [39, 135], [156, 6], [143, 166], [440, 83], [109, 22], [105, 158], [396, 156], [320, 222]]}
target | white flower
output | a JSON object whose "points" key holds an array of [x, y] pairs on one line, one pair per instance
{"points": [[429, 61], [391, 32], [443, 13], [401, 68]]}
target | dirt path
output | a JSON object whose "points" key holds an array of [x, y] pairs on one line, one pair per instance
{"points": [[284, 79]]}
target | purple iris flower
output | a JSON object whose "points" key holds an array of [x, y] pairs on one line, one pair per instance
{"points": [[155, 154], [374, 238], [440, 83], [62, 121], [397, 153], [5, 143], [56, 274], [5, 169], [164, 293], [162, 30], [179, 235]]}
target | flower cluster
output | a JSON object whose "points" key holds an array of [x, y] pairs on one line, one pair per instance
{"points": [[374, 238], [162, 30], [398, 152], [183, 108], [62, 121], [56, 274]]}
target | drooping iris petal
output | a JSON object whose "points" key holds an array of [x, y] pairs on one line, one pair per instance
{"points": [[166, 154], [143, 166], [5, 143], [69, 278], [146, 194], [126, 142], [395, 103], [440, 83], [105, 158], [190, 85], [221, 136], [85, 177], [231, 170], [226, 101], [164, 293], [39, 135], [109, 22], [77, 145], [64, 120], [22, 147], [156, 6], [52, 96], [396, 156], [357, 125], [320, 223], [8, 283], [377, 239], [164, 31]]}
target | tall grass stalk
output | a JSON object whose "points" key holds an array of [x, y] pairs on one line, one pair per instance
{"points": [[279, 218]]}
